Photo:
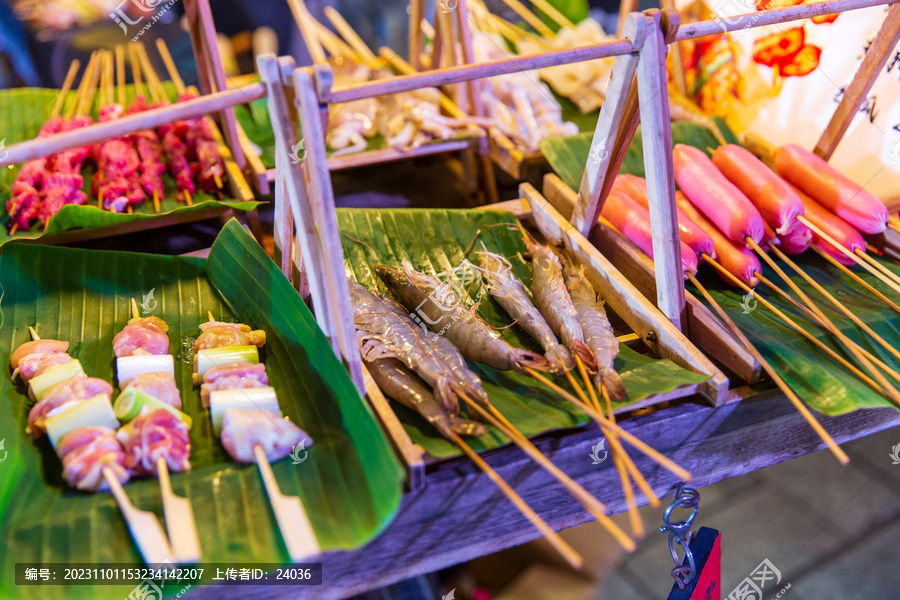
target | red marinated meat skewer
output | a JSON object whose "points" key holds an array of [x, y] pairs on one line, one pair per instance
{"points": [[173, 145], [63, 181], [116, 182], [24, 205], [146, 142], [198, 135]]}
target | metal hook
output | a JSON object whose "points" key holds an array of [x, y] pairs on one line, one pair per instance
{"points": [[680, 533]]}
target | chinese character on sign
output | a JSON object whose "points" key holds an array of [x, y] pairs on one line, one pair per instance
{"points": [[31, 574]]}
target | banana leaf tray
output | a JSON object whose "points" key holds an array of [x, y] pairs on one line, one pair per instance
{"points": [[350, 483], [22, 113]]}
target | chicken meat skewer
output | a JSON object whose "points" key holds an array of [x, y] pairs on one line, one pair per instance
{"points": [[82, 431], [247, 416], [156, 437]]}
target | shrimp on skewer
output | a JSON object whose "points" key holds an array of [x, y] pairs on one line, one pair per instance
{"points": [[553, 300], [387, 334], [510, 293], [598, 333], [401, 384], [446, 315]]}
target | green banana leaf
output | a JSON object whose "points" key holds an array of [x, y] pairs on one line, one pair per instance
{"points": [[817, 378], [22, 113], [350, 483], [436, 239]]}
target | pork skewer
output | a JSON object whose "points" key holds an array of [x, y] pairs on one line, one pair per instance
{"points": [[93, 457], [158, 429], [24, 204], [173, 144], [199, 135], [253, 430], [145, 142]]}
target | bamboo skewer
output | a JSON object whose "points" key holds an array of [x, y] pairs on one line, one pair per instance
{"points": [[180, 523], [588, 383], [145, 529], [779, 381], [309, 32], [639, 445], [618, 456], [821, 318], [352, 38], [796, 327], [862, 356], [554, 14], [851, 346], [837, 303], [120, 73], [293, 522], [553, 538], [174, 75], [856, 278], [849, 254], [887, 272], [532, 19], [590, 503]]}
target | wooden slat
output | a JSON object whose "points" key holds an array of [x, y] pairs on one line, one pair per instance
{"points": [[656, 133], [876, 57], [703, 327], [625, 300], [607, 131], [321, 199]]}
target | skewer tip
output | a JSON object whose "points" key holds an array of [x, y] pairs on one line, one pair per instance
{"points": [[34, 335]]}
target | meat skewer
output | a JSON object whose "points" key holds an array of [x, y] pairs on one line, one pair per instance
{"points": [[24, 206], [156, 438], [199, 135], [93, 458], [117, 184], [251, 433], [172, 135]]}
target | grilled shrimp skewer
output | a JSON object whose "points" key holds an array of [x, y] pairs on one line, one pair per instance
{"points": [[401, 384], [510, 293], [598, 333], [386, 333], [446, 315], [553, 300]]}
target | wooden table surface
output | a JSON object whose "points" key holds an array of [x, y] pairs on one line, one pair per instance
{"points": [[460, 515]]}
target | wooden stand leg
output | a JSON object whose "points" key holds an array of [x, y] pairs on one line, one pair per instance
{"points": [[657, 136], [872, 64], [608, 130]]}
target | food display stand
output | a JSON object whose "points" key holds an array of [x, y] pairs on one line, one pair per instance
{"points": [[450, 511]]}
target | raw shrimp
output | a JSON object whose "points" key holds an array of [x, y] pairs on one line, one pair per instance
{"points": [[510, 293], [552, 299], [445, 314], [598, 333], [399, 383], [385, 334]]}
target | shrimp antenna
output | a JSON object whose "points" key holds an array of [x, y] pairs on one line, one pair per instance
{"points": [[372, 253]]}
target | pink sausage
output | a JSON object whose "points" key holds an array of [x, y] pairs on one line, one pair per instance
{"points": [[689, 232], [836, 227], [737, 259], [831, 189], [633, 221], [796, 241], [769, 237], [775, 200], [716, 197]]}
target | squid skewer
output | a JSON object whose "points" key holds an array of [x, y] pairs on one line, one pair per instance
{"points": [[246, 428], [145, 528]]}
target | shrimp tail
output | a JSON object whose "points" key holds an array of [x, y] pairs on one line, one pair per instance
{"points": [[561, 358], [586, 355], [526, 359], [612, 381], [466, 427]]}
